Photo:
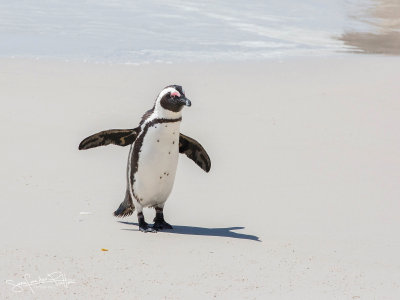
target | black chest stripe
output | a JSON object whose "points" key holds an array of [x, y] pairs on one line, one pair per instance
{"points": [[137, 148]]}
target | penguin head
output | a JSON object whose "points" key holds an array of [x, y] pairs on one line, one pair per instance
{"points": [[172, 98]]}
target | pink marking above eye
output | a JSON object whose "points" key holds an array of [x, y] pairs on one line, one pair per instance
{"points": [[173, 94]]}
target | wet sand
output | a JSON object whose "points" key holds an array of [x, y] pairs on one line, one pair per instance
{"points": [[301, 202], [383, 16]]}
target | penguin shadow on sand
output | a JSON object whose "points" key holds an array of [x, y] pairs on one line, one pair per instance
{"points": [[204, 231]]}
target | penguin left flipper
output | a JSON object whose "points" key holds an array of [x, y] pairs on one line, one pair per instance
{"points": [[120, 137], [195, 151]]}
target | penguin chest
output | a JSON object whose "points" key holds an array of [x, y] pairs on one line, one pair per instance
{"points": [[157, 163]]}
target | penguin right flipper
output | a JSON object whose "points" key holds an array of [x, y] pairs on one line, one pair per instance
{"points": [[195, 151], [120, 137]]}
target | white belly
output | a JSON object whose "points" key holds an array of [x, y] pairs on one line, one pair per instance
{"points": [[157, 164]]}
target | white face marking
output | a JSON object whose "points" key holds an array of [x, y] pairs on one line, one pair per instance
{"points": [[166, 91], [159, 111]]}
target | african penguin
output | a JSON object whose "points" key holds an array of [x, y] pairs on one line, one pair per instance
{"points": [[153, 157]]}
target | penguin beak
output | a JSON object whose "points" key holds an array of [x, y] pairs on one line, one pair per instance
{"points": [[185, 101]]}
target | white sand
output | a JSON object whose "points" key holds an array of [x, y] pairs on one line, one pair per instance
{"points": [[305, 157]]}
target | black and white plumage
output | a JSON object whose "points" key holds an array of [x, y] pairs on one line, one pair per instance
{"points": [[153, 157]]}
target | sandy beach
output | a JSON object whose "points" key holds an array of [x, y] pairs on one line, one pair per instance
{"points": [[302, 201]]}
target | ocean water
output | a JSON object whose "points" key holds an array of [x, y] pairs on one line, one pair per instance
{"points": [[145, 31]]}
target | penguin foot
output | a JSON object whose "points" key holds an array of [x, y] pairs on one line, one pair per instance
{"points": [[144, 227], [161, 224]]}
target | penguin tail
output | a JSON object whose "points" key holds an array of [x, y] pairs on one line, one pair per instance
{"points": [[124, 211], [126, 208]]}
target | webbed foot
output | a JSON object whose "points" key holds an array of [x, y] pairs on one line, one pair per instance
{"points": [[161, 224], [146, 228]]}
